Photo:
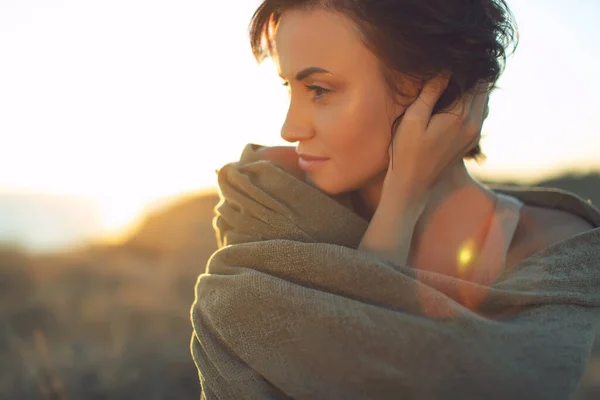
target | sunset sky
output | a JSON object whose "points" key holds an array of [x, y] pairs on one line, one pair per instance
{"points": [[128, 102]]}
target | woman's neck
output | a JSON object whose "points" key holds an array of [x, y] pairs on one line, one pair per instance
{"points": [[456, 204]]}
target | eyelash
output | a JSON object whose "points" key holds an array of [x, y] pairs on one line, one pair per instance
{"points": [[313, 88]]}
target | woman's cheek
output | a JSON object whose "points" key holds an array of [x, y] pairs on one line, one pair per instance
{"points": [[355, 109], [331, 119]]}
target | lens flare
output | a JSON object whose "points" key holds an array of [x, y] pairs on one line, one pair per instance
{"points": [[465, 256]]}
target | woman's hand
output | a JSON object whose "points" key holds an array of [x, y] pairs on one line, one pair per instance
{"points": [[285, 157], [424, 146]]}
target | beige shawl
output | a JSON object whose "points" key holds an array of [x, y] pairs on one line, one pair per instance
{"points": [[288, 308]]}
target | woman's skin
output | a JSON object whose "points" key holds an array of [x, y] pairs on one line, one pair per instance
{"points": [[346, 115]]}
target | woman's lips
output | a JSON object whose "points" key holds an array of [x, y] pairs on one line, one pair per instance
{"points": [[310, 157], [309, 165]]}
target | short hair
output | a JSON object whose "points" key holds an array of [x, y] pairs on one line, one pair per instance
{"points": [[416, 40]]}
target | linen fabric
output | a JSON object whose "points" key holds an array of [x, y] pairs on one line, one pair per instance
{"points": [[288, 308]]}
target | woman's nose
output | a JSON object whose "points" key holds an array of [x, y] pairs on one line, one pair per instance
{"points": [[295, 129]]}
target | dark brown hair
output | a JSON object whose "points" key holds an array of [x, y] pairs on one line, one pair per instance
{"points": [[415, 40]]}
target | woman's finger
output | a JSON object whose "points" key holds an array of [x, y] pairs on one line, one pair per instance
{"points": [[455, 116], [422, 108], [462, 109]]}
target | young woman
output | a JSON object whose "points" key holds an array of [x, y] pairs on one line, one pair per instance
{"points": [[387, 100]]}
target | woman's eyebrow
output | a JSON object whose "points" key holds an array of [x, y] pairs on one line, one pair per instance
{"points": [[305, 73]]}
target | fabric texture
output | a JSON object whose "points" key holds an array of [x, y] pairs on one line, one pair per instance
{"points": [[289, 308]]}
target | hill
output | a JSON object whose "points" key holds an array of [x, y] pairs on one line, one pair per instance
{"points": [[113, 321], [586, 186], [45, 222]]}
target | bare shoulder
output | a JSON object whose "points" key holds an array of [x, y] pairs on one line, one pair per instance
{"points": [[542, 227], [285, 157], [559, 223]]}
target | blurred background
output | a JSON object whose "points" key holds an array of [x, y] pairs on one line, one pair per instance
{"points": [[114, 116]]}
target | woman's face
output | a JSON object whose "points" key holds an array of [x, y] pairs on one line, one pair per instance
{"points": [[345, 114]]}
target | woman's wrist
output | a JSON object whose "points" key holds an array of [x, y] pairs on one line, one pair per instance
{"points": [[390, 231], [405, 196]]}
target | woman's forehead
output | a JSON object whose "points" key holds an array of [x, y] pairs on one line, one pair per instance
{"points": [[317, 38]]}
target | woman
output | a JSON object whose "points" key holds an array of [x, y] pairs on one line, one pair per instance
{"points": [[384, 270]]}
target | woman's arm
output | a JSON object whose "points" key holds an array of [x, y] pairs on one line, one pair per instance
{"points": [[391, 229], [426, 145]]}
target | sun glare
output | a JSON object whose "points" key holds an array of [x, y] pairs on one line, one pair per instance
{"points": [[139, 114], [119, 217], [465, 256]]}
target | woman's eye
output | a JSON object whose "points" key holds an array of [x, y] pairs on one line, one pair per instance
{"points": [[319, 91]]}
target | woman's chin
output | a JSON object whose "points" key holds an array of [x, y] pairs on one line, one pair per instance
{"points": [[323, 187]]}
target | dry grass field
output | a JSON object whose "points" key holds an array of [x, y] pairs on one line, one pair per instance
{"points": [[112, 322]]}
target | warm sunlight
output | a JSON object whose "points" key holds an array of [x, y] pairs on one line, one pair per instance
{"points": [[465, 256], [135, 106], [136, 262]]}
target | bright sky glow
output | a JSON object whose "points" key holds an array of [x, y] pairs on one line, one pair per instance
{"points": [[129, 101]]}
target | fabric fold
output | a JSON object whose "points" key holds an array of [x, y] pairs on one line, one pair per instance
{"points": [[288, 308]]}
